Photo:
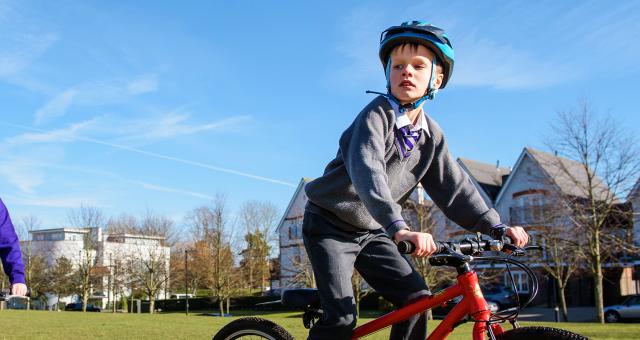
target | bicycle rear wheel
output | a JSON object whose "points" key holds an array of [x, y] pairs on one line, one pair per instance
{"points": [[252, 328], [538, 332]]}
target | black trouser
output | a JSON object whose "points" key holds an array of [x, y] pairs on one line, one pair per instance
{"points": [[334, 253]]}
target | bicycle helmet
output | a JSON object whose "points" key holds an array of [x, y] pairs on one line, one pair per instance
{"points": [[418, 32]]}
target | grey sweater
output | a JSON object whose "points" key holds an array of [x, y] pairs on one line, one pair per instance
{"points": [[365, 185]]}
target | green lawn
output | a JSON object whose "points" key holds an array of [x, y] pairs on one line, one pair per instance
{"points": [[75, 325]]}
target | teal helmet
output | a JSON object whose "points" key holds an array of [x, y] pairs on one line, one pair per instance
{"points": [[422, 33]]}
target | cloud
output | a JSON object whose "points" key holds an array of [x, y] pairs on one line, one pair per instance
{"points": [[19, 51], [485, 63], [53, 201], [56, 107], [94, 93], [67, 134], [26, 179], [32, 176], [44, 136], [175, 124], [142, 85]]}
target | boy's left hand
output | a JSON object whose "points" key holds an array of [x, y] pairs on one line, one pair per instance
{"points": [[424, 243], [519, 237]]}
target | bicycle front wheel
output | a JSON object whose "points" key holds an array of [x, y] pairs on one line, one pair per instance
{"points": [[252, 328], [537, 332]]}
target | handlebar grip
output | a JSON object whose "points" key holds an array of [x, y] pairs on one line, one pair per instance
{"points": [[406, 247]]}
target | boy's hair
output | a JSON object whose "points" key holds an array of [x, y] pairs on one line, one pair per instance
{"points": [[414, 48]]}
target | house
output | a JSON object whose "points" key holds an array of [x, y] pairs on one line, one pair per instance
{"points": [[634, 199], [532, 197], [487, 178], [112, 256], [293, 264]]}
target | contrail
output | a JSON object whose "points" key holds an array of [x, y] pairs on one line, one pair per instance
{"points": [[157, 155]]}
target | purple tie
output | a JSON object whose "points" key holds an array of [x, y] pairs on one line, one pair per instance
{"points": [[407, 139]]}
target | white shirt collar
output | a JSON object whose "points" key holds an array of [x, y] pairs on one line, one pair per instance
{"points": [[402, 119]]}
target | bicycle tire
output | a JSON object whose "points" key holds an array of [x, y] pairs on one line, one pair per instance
{"points": [[250, 328], [539, 332]]}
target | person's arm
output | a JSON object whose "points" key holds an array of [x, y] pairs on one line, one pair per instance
{"points": [[453, 192], [363, 152], [10, 253]]}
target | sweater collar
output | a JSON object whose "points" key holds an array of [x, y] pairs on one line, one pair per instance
{"points": [[402, 120]]}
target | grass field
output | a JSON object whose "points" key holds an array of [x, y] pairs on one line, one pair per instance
{"points": [[74, 325]]}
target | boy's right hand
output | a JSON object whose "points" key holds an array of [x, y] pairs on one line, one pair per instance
{"points": [[424, 243]]}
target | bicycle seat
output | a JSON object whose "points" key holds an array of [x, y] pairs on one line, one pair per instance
{"points": [[301, 298]]}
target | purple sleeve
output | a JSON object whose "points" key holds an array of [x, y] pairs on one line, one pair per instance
{"points": [[10, 248]]}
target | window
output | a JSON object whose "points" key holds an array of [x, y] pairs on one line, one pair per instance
{"points": [[520, 279], [531, 207], [295, 232]]}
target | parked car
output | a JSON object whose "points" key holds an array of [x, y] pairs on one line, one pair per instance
{"points": [[501, 295], [629, 309], [77, 307], [181, 296]]}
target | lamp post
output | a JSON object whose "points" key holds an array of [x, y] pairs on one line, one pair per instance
{"points": [[186, 282]]}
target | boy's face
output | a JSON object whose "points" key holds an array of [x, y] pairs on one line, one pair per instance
{"points": [[410, 73]]}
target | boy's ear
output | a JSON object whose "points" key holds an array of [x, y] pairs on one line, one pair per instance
{"points": [[438, 81]]}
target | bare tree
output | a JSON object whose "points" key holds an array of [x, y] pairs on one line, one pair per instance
{"points": [[92, 219], [259, 221], [424, 219], [149, 268], [301, 272], [609, 163], [212, 250], [34, 265]]}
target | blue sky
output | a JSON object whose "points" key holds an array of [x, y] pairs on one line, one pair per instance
{"points": [[161, 105]]}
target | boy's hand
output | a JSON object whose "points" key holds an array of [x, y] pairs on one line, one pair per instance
{"points": [[424, 243], [19, 289], [518, 235]]}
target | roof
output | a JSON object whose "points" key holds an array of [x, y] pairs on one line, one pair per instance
{"points": [[296, 193], [69, 230], [567, 175], [485, 173], [488, 176]]}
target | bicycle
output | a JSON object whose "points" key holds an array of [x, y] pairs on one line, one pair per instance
{"points": [[473, 307]]}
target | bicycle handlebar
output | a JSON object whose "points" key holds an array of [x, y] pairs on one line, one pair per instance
{"points": [[465, 247]]}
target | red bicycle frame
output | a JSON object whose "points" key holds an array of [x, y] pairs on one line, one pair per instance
{"points": [[472, 304]]}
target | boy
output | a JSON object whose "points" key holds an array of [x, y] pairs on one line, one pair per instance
{"points": [[353, 215], [10, 253]]}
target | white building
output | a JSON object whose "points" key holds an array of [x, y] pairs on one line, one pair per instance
{"points": [[112, 256]]}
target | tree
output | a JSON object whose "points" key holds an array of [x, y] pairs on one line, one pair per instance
{"points": [[92, 219], [259, 220], [34, 265], [609, 163], [424, 220], [212, 250], [302, 272], [149, 268], [60, 277]]}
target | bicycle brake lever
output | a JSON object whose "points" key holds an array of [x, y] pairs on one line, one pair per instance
{"points": [[514, 250]]}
